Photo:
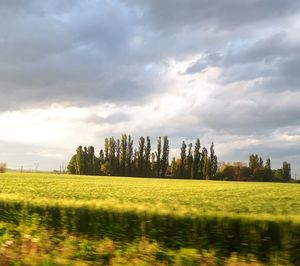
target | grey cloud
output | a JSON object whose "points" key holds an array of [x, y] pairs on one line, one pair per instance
{"points": [[114, 118], [273, 59], [86, 52], [267, 49], [245, 113], [79, 54], [208, 14], [212, 59], [83, 51]]}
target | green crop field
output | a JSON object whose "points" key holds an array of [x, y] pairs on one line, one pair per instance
{"points": [[262, 219], [149, 194]]}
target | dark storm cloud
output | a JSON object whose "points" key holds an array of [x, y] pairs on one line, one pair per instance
{"points": [[82, 51], [208, 14], [89, 52], [71, 51]]}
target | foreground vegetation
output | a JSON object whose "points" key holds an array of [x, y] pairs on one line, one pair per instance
{"points": [[262, 219], [28, 244]]}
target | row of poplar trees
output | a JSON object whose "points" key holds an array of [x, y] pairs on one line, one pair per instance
{"points": [[120, 158]]}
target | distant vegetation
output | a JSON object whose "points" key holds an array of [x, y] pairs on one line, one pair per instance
{"points": [[120, 158], [2, 167], [256, 170]]}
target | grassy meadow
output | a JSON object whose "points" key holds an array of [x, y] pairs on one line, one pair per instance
{"points": [[257, 219]]}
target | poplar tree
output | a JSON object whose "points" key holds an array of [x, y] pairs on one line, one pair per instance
{"points": [[213, 162], [261, 162], [189, 161], [141, 157], [204, 163], [286, 171], [153, 164], [165, 157], [158, 157], [129, 156], [182, 159], [79, 159], [106, 149], [253, 162], [268, 169], [123, 152], [147, 157], [268, 164], [196, 161], [91, 160], [101, 161], [118, 151], [135, 163], [85, 161], [112, 155], [173, 167]]}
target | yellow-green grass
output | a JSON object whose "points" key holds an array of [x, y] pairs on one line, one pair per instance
{"points": [[166, 196], [262, 219]]}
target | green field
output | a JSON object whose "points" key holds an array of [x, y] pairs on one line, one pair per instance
{"points": [[262, 219], [272, 200]]}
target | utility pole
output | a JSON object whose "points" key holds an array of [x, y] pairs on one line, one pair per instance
{"points": [[36, 166]]}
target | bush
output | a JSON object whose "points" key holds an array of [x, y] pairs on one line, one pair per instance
{"points": [[2, 167]]}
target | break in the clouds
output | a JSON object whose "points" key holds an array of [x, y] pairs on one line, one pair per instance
{"points": [[74, 72]]}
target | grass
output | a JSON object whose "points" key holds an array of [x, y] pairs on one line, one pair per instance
{"points": [[24, 245], [166, 195], [262, 219]]}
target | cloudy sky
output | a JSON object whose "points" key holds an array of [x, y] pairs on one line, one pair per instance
{"points": [[75, 72]]}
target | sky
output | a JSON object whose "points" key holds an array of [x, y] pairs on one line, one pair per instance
{"points": [[75, 72]]}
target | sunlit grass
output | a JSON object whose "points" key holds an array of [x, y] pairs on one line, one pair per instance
{"points": [[181, 197]]}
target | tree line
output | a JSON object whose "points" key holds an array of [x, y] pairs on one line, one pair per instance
{"points": [[257, 170], [119, 157]]}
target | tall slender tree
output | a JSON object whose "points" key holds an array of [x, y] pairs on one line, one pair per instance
{"points": [[165, 157], [130, 154], [213, 162], [147, 157], [286, 171], [91, 161], [153, 164], [183, 159], [261, 162], [197, 158], [106, 149], [204, 163], [112, 156], [123, 153], [85, 161], [141, 157], [158, 157], [118, 156], [101, 162], [189, 161], [268, 169], [79, 160]]}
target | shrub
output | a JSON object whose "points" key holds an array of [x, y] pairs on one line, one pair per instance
{"points": [[2, 167]]}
